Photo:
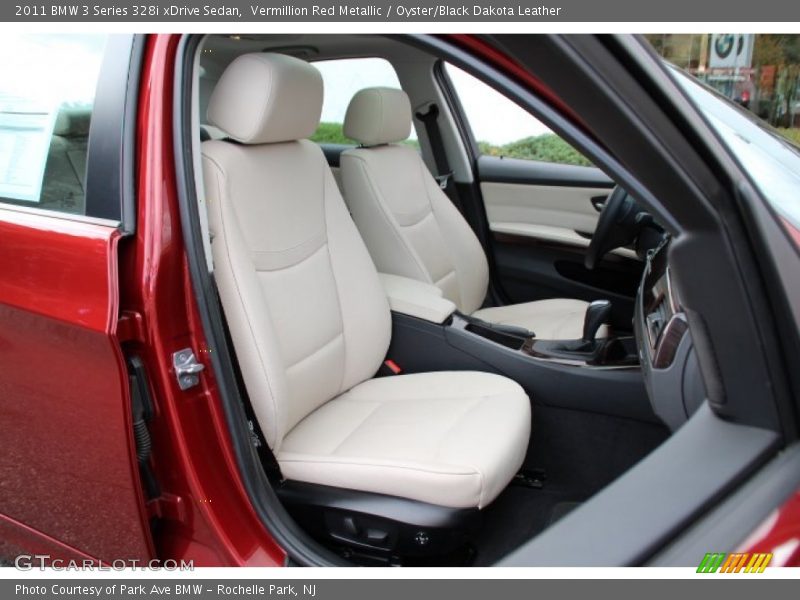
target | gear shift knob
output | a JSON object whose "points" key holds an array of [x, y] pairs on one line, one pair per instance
{"points": [[598, 313]]}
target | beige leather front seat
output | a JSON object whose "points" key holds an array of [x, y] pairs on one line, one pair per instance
{"points": [[310, 322], [411, 227]]}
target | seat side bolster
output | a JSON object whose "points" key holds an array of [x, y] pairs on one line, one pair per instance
{"points": [[366, 321], [469, 258], [238, 289], [397, 479]]}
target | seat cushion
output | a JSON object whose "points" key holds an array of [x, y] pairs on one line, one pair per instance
{"points": [[449, 438], [554, 319]]}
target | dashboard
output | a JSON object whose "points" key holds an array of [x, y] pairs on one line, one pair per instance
{"points": [[669, 362]]}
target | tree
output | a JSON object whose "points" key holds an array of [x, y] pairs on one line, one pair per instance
{"points": [[767, 51], [782, 51]]}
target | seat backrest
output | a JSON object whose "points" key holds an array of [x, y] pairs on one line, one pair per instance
{"points": [[408, 223], [304, 304]]}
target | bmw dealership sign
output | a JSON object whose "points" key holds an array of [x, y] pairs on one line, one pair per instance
{"points": [[731, 51]]}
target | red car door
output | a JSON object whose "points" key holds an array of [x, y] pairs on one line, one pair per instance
{"points": [[69, 482]]}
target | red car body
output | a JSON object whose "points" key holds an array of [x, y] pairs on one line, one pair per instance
{"points": [[73, 294]]}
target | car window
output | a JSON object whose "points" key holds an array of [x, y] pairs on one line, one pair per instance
{"points": [[772, 162], [47, 89], [342, 79], [502, 128]]}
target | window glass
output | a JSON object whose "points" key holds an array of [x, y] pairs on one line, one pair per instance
{"points": [[342, 79], [773, 163], [502, 128], [47, 88], [758, 71]]}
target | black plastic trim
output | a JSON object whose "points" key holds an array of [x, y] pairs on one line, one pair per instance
{"points": [[728, 525], [142, 414], [130, 137], [501, 169], [333, 152], [110, 177], [627, 522], [781, 272], [380, 529], [394, 508], [456, 109]]}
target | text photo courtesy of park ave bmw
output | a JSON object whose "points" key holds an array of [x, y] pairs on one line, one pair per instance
{"points": [[160, 590], [399, 299]]}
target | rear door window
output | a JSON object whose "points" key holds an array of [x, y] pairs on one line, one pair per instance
{"points": [[47, 92]]}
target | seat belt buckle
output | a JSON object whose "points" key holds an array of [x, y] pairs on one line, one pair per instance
{"points": [[443, 180]]}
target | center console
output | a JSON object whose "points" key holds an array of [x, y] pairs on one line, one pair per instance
{"points": [[669, 365], [600, 376]]}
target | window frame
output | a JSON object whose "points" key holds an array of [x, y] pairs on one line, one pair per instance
{"points": [[451, 97], [110, 160]]}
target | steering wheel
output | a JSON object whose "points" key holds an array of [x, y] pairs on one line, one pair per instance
{"points": [[616, 227]]}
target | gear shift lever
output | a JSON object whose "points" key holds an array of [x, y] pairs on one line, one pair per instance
{"points": [[597, 314], [587, 349]]}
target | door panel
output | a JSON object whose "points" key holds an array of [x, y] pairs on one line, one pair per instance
{"points": [[68, 476], [556, 207], [541, 217], [532, 172], [544, 201], [556, 214]]}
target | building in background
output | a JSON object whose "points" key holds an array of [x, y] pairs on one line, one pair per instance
{"points": [[759, 71]]}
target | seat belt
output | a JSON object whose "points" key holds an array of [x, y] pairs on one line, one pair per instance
{"points": [[430, 120]]}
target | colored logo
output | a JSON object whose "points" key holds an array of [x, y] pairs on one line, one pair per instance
{"points": [[745, 562], [724, 44]]}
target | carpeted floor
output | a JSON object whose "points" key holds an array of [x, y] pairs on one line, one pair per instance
{"points": [[580, 453]]}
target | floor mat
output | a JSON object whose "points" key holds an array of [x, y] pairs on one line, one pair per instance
{"points": [[560, 510], [518, 514], [580, 453]]}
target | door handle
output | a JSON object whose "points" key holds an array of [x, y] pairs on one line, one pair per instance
{"points": [[598, 202]]}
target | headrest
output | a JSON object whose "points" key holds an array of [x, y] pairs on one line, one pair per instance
{"points": [[263, 98], [378, 115]]}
